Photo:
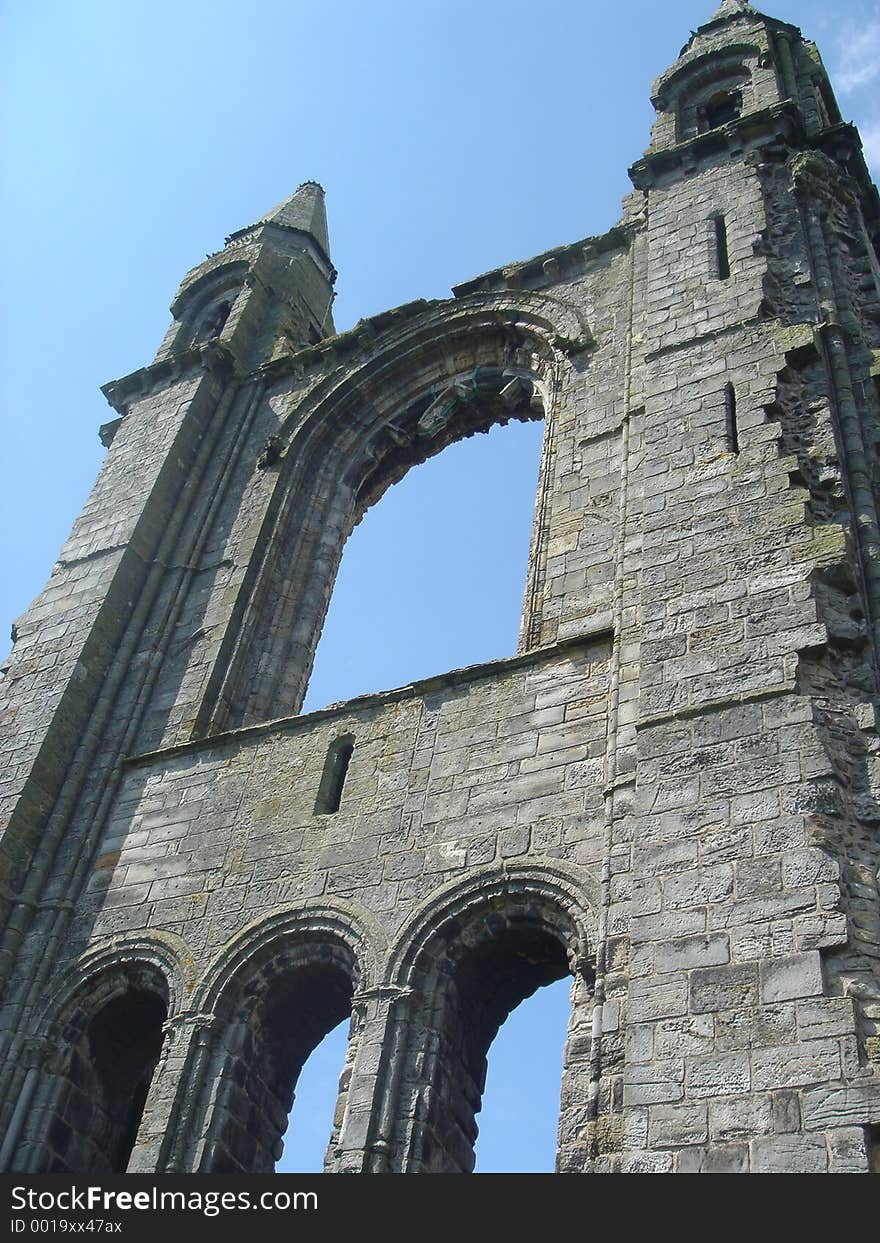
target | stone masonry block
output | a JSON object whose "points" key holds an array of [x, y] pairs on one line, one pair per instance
{"points": [[790, 1066], [724, 988], [689, 952], [656, 999], [724, 1074], [675, 1126], [789, 978], [789, 1154]]}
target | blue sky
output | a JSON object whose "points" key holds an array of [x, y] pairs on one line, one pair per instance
{"points": [[451, 137]]}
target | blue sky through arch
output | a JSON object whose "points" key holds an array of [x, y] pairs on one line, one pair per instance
{"points": [[520, 1113], [311, 1119], [433, 577]]}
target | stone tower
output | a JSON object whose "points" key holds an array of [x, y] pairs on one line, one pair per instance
{"points": [[670, 793]]}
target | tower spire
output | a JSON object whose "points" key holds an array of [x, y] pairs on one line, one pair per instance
{"points": [[303, 210], [729, 8]]}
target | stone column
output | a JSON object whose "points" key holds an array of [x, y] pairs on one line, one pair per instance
{"points": [[172, 1105], [368, 1113], [787, 64], [22, 1147]]}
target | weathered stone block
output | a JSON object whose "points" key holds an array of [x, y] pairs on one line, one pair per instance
{"points": [[789, 978], [690, 952], [740, 1117], [789, 1154], [656, 999], [723, 1074], [816, 1061], [675, 1126], [724, 988]]}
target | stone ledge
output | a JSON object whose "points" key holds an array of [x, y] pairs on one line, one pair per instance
{"points": [[413, 690]]}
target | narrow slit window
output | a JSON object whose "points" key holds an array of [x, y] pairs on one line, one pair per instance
{"points": [[333, 778], [731, 428], [722, 255]]}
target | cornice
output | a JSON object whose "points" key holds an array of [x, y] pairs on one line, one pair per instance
{"points": [[778, 122], [211, 357]]}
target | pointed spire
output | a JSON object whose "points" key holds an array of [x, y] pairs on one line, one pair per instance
{"points": [[730, 8], [304, 210]]}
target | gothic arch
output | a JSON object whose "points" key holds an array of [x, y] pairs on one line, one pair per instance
{"points": [[340, 921], [97, 1042], [223, 274], [268, 1000], [164, 954], [197, 308], [550, 882], [689, 91], [698, 69], [461, 965], [408, 392]]}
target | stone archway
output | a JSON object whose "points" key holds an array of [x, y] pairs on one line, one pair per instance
{"points": [[473, 958], [357, 430], [101, 1052], [268, 1002]]}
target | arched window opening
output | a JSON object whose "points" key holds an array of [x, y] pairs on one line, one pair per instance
{"points": [[433, 577], [203, 308], [213, 321], [336, 765], [713, 93], [489, 983], [721, 108], [285, 1013], [314, 1117], [467, 981], [519, 1117], [109, 1073]]}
